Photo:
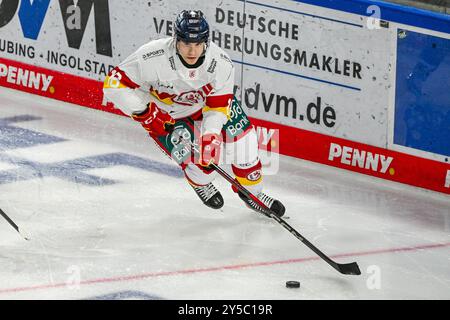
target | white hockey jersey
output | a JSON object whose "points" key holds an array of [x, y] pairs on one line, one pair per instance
{"points": [[155, 73]]}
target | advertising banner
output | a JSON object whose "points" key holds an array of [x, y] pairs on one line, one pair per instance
{"points": [[326, 74], [311, 68], [289, 67]]}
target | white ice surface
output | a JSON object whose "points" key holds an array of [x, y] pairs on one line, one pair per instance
{"points": [[147, 235]]}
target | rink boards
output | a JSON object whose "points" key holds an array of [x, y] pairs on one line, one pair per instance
{"points": [[347, 84]]}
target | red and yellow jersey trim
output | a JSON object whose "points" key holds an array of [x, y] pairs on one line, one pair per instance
{"points": [[118, 79], [224, 110], [246, 182], [164, 97], [219, 104], [248, 176]]}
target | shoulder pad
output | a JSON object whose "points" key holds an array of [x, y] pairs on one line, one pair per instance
{"points": [[220, 54], [153, 49], [153, 57], [219, 63]]}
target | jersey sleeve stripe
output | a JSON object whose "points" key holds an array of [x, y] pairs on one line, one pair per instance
{"points": [[219, 101], [248, 176], [224, 110], [119, 79]]}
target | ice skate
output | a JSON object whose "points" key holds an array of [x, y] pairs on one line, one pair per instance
{"points": [[275, 205], [209, 195]]}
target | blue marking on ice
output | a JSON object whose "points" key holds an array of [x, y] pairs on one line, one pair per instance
{"points": [[69, 170], [12, 137]]}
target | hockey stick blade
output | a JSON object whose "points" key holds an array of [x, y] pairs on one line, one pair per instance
{"points": [[24, 234], [348, 268]]}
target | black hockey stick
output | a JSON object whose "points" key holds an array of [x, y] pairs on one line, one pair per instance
{"points": [[346, 268], [15, 226]]}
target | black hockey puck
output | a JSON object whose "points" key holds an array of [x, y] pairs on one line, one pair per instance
{"points": [[292, 284]]}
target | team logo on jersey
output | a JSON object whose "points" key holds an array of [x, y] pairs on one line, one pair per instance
{"points": [[190, 98], [192, 73], [212, 66], [254, 176], [153, 54]]}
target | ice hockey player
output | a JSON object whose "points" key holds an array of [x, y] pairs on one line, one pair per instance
{"points": [[183, 86]]}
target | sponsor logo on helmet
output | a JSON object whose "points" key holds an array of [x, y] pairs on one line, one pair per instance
{"points": [[153, 54], [254, 176], [191, 26]]}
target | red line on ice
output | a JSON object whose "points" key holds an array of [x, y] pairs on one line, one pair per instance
{"points": [[222, 268]]}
